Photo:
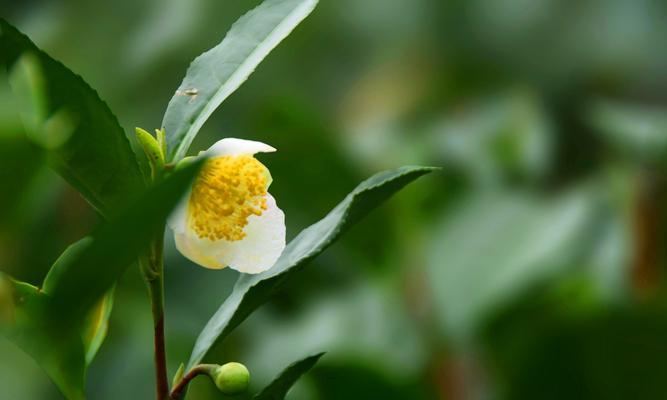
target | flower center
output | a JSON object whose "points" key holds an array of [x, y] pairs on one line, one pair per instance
{"points": [[226, 192]]}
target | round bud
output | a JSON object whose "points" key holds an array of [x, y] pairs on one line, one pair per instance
{"points": [[231, 378]]}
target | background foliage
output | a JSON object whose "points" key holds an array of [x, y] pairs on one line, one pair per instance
{"points": [[531, 266]]}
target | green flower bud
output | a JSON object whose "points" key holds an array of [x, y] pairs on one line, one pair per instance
{"points": [[161, 136], [152, 149], [231, 378]]}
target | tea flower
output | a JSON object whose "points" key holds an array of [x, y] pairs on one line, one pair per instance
{"points": [[229, 218]]}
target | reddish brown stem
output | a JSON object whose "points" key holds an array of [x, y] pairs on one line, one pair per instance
{"points": [[155, 288], [155, 280], [160, 361], [180, 387], [647, 227]]}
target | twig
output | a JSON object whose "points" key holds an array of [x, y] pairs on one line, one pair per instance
{"points": [[200, 369], [155, 280]]}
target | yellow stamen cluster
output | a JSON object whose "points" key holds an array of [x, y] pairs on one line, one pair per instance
{"points": [[227, 191]]}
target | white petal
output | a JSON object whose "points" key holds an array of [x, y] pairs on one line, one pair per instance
{"points": [[255, 253], [178, 218], [233, 146]]}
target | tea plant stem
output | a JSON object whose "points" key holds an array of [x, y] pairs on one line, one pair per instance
{"points": [[180, 387], [155, 280]]}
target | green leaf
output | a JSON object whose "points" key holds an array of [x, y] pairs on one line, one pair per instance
{"points": [[86, 144], [63, 325], [16, 298], [505, 137], [217, 73], [72, 252], [635, 130], [59, 352], [95, 326], [251, 291], [63, 353], [20, 169], [498, 245], [277, 390], [99, 263], [178, 375]]}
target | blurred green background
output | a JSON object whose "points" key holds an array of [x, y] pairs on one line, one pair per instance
{"points": [[532, 266]]}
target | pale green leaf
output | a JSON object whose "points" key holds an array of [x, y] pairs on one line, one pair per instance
{"points": [[178, 375], [497, 245], [217, 73], [635, 130], [251, 291], [96, 325]]}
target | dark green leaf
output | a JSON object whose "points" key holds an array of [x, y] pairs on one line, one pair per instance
{"points": [[86, 144], [251, 291], [63, 326], [101, 262], [59, 352], [277, 390], [95, 326], [63, 353], [217, 73], [59, 267], [20, 165]]}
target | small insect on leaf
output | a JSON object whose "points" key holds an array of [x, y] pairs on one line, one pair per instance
{"points": [[190, 92]]}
